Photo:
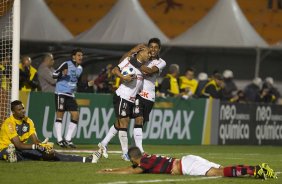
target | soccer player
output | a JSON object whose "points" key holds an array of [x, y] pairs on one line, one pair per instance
{"points": [[67, 76], [145, 99], [188, 165], [18, 129], [123, 100]]}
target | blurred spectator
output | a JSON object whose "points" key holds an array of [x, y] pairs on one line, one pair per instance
{"points": [[82, 85], [268, 94], [28, 75], [214, 88], [106, 80], [187, 83], [252, 90], [230, 88], [169, 85], [202, 81], [239, 97], [5, 73], [45, 74]]}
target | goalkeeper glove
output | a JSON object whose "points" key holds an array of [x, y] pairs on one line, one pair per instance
{"points": [[46, 148]]}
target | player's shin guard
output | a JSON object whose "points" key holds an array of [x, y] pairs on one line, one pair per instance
{"points": [[138, 136], [58, 127], [122, 135], [71, 129], [239, 170], [112, 132]]}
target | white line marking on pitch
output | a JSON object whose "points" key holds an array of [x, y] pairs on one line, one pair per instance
{"points": [[160, 180], [85, 151]]}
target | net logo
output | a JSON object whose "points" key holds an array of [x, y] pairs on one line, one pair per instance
{"points": [[227, 112], [263, 113], [234, 131], [271, 129]]}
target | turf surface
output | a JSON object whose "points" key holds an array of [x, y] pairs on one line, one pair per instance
{"points": [[59, 172]]}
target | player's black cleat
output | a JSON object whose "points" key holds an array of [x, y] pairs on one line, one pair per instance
{"points": [[259, 173], [62, 144], [268, 171], [70, 144]]}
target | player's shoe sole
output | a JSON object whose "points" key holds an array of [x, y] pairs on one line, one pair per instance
{"points": [[104, 150], [11, 151]]}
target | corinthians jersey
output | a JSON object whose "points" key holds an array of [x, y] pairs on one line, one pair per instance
{"points": [[129, 90], [148, 87]]}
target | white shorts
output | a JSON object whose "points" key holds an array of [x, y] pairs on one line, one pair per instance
{"points": [[196, 166]]}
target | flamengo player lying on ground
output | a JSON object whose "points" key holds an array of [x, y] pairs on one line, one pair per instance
{"points": [[188, 165]]}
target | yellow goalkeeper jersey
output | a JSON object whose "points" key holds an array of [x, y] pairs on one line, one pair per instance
{"points": [[12, 127]]}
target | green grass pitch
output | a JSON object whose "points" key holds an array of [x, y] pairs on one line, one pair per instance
{"points": [[62, 172]]}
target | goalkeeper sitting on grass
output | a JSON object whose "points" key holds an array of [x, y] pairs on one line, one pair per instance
{"points": [[17, 129]]}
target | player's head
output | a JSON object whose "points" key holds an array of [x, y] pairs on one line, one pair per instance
{"points": [[18, 110], [77, 55], [154, 45], [144, 55], [135, 155]]}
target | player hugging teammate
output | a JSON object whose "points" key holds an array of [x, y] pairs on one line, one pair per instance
{"points": [[135, 99]]}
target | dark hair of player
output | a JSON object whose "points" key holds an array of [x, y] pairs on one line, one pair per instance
{"points": [[155, 40], [134, 152], [74, 51], [14, 104]]}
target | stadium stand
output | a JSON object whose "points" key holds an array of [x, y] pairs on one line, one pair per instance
{"points": [[267, 22]]}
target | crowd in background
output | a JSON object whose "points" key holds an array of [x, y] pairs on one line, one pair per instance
{"points": [[218, 85]]}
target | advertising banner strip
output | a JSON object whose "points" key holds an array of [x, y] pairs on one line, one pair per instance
{"points": [[172, 120], [206, 135]]}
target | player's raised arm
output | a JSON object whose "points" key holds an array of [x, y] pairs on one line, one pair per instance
{"points": [[136, 49]]}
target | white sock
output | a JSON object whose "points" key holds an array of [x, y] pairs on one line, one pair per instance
{"points": [[71, 129], [138, 136], [112, 132], [58, 127], [122, 135]]}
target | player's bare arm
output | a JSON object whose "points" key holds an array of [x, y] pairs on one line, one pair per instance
{"points": [[20, 145], [126, 78], [149, 71], [137, 48], [126, 170]]}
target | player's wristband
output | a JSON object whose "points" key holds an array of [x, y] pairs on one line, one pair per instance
{"points": [[34, 146], [135, 63]]}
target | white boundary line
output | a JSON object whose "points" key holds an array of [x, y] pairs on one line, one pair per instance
{"points": [[119, 152], [162, 181]]}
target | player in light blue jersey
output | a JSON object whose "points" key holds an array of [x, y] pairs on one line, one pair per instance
{"points": [[67, 76]]}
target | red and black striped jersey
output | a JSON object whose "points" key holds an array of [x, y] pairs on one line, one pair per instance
{"points": [[156, 164]]}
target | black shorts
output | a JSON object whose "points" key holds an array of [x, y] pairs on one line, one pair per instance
{"points": [[65, 103], [143, 108], [123, 108]]}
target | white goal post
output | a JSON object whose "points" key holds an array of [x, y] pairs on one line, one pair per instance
{"points": [[9, 54]]}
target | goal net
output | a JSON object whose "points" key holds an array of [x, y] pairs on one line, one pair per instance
{"points": [[6, 43]]}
